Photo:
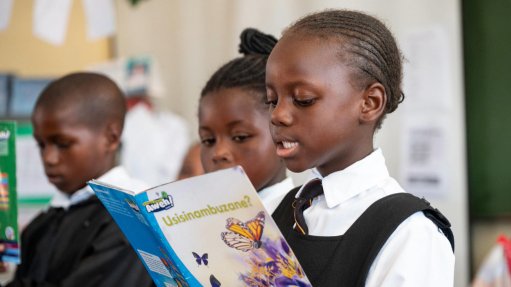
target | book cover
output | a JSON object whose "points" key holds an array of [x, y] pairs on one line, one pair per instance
{"points": [[8, 199], [209, 230]]}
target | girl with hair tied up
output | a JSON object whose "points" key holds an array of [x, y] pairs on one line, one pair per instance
{"points": [[234, 120]]}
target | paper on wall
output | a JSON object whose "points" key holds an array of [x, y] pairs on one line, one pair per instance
{"points": [[424, 166], [5, 13], [100, 18], [427, 107], [51, 19], [426, 82]]}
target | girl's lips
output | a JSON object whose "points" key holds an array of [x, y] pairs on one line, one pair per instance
{"points": [[287, 149]]}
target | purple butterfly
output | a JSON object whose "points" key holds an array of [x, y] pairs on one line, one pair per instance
{"points": [[214, 282], [201, 259]]}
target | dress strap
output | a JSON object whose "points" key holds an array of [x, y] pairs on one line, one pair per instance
{"points": [[372, 229]]}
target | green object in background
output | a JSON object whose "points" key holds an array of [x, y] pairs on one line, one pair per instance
{"points": [[25, 129], [8, 201], [487, 46]]}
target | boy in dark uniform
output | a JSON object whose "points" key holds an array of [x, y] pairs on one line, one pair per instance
{"points": [[78, 121]]}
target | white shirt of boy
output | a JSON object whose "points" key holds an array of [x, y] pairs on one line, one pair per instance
{"points": [[416, 254], [117, 176], [271, 196]]}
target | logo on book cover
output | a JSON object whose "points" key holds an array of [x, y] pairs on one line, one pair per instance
{"points": [[163, 203]]}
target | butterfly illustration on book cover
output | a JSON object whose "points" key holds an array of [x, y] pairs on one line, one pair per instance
{"points": [[201, 259], [244, 236], [273, 265], [213, 281]]}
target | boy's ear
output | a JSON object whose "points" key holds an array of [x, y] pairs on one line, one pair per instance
{"points": [[373, 103], [113, 131]]}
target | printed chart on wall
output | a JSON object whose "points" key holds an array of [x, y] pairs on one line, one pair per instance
{"points": [[427, 110]]}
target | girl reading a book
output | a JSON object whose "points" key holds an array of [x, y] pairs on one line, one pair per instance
{"points": [[234, 120]]}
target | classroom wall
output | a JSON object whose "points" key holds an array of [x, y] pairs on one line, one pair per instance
{"points": [[24, 54], [191, 38]]}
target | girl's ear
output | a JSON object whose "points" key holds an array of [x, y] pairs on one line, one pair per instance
{"points": [[373, 103]]}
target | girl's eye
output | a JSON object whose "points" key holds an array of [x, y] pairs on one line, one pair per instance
{"points": [[271, 98], [208, 141], [271, 104], [304, 103], [240, 138]]}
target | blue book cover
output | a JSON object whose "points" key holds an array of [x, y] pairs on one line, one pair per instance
{"points": [[209, 230]]}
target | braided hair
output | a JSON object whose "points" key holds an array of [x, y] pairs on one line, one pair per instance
{"points": [[246, 72], [372, 49]]}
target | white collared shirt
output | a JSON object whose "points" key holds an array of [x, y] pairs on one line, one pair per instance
{"points": [[271, 196], [416, 254], [117, 176]]}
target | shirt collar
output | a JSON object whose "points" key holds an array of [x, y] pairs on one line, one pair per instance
{"points": [[342, 185], [271, 196], [277, 189], [63, 200]]}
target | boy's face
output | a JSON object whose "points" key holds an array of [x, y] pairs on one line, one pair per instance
{"points": [[71, 153], [315, 108], [234, 131]]}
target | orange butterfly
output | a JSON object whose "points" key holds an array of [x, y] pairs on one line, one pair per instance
{"points": [[244, 236]]}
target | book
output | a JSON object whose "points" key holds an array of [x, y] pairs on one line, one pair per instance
{"points": [[208, 230], [9, 235]]}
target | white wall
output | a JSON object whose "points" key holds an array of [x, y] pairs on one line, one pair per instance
{"points": [[191, 38]]}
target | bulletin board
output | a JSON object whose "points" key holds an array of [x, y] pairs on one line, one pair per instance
{"points": [[487, 55]]}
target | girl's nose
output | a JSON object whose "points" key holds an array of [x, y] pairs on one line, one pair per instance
{"points": [[222, 153], [281, 115]]}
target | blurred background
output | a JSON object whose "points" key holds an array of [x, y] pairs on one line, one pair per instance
{"points": [[449, 141]]}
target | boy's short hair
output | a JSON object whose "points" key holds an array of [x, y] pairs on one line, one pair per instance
{"points": [[373, 50], [95, 98]]}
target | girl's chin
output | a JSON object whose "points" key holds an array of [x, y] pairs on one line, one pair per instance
{"points": [[295, 166]]}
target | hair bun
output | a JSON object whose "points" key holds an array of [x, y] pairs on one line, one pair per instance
{"points": [[254, 41]]}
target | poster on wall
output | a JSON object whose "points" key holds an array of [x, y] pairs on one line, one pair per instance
{"points": [[424, 163], [426, 110]]}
